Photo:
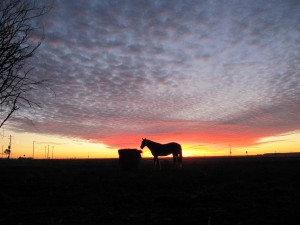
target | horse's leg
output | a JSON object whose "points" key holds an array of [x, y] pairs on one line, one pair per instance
{"points": [[177, 159], [158, 162], [174, 158]]}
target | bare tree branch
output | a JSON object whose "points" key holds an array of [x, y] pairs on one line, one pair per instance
{"points": [[16, 47]]}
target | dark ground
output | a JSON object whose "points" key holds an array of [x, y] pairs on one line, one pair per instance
{"points": [[215, 191]]}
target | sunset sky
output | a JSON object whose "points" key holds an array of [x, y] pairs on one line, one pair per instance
{"points": [[206, 74]]}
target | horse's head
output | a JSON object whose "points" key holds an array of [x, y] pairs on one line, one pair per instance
{"points": [[144, 143]]}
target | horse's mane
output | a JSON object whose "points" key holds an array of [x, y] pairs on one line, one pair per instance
{"points": [[152, 142]]}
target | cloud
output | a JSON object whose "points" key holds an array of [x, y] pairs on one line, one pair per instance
{"points": [[200, 72]]}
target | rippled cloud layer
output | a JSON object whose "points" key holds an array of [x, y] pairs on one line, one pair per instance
{"points": [[192, 71]]}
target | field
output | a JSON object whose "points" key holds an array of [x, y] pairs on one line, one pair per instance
{"points": [[211, 191]]}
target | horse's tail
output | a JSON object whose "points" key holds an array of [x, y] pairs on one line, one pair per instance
{"points": [[180, 156]]}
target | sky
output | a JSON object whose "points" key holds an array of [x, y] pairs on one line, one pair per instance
{"points": [[206, 74]]}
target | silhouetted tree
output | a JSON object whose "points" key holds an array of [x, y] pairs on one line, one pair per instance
{"points": [[17, 44], [7, 152]]}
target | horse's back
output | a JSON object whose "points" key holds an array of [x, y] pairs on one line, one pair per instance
{"points": [[173, 144], [173, 147]]}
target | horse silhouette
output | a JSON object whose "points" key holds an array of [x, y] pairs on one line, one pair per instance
{"points": [[158, 149]]}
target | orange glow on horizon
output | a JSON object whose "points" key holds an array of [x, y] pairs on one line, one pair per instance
{"points": [[48, 146]]}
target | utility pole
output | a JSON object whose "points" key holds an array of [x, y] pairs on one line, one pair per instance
{"points": [[33, 150], [8, 150], [230, 150]]}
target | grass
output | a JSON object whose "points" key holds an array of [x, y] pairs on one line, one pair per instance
{"points": [[232, 190]]}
